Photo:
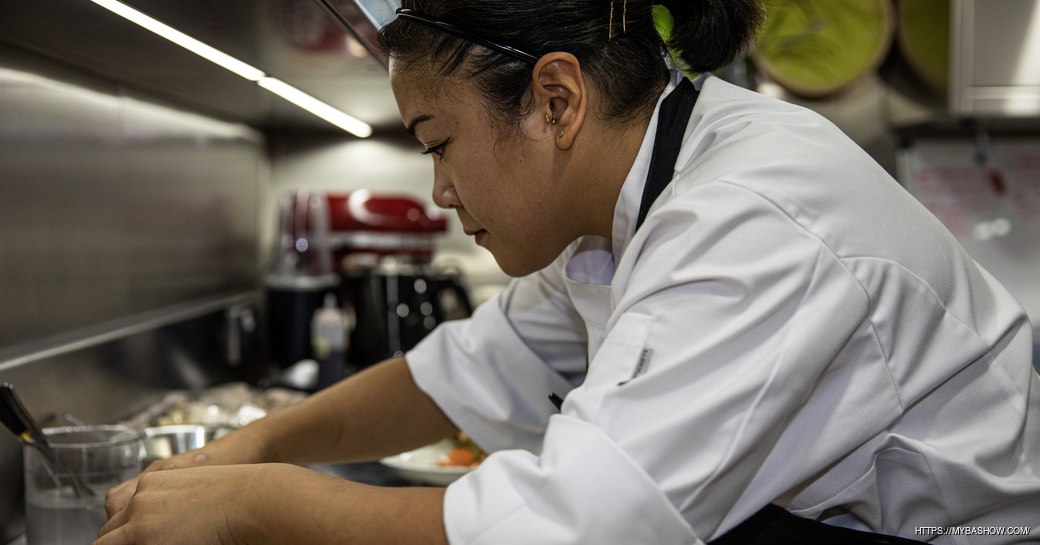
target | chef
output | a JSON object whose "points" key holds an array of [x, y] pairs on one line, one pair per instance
{"points": [[728, 324]]}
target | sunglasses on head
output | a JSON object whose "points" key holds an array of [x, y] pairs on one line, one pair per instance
{"points": [[422, 18]]}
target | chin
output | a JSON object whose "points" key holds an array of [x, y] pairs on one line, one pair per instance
{"points": [[516, 266], [515, 269]]}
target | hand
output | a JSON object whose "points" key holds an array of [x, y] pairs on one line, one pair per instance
{"points": [[201, 505], [239, 447]]}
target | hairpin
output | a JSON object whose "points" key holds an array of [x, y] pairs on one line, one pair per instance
{"points": [[624, 20]]}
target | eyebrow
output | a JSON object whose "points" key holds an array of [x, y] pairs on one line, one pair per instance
{"points": [[416, 121]]}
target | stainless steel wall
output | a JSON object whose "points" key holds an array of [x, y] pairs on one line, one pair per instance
{"points": [[112, 205], [128, 230]]}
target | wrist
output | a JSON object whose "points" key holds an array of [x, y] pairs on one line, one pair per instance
{"points": [[291, 504], [254, 440], [286, 503], [259, 509]]}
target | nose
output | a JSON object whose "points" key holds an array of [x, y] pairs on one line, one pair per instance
{"points": [[444, 194]]}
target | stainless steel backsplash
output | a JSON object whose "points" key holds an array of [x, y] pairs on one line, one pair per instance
{"points": [[111, 205], [127, 229]]}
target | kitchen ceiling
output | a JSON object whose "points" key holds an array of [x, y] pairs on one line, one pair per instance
{"points": [[297, 41]]}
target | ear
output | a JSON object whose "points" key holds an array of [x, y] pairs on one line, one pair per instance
{"points": [[559, 90]]}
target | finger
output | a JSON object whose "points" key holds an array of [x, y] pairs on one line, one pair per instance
{"points": [[119, 536], [118, 497], [187, 459], [117, 521]]}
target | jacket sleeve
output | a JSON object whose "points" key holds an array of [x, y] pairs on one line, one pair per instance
{"points": [[493, 372]]}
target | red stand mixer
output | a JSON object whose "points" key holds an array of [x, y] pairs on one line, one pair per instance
{"points": [[374, 252]]}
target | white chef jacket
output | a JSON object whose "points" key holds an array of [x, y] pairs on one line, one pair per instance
{"points": [[788, 326]]}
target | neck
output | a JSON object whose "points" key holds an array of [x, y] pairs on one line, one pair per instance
{"points": [[606, 162]]}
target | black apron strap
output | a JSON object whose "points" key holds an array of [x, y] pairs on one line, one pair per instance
{"points": [[672, 119]]}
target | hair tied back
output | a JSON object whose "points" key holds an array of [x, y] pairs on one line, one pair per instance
{"points": [[664, 23]]}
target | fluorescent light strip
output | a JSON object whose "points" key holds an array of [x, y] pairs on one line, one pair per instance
{"points": [[316, 107], [286, 91], [182, 39]]}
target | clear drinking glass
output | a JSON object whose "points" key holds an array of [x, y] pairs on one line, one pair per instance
{"points": [[57, 511]]}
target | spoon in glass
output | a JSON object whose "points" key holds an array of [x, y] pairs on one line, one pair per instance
{"points": [[17, 419]]}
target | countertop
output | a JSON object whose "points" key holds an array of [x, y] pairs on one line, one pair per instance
{"points": [[373, 473]]}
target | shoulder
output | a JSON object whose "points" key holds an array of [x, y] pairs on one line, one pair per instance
{"points": [[729, 120], [793, 160]]}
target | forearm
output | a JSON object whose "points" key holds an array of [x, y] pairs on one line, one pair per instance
{"points": [[325, 510], [377, 412]]}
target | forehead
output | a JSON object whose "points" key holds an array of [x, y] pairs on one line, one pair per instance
{"points": [[418, 91], [441, 102]]}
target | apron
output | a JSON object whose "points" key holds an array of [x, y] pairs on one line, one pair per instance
{"points": [[772, 525]]}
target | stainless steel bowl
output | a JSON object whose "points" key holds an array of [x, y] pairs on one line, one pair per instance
{"points": [[165, 441]]}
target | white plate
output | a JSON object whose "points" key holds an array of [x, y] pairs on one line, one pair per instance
{"points": [[420, 465]]}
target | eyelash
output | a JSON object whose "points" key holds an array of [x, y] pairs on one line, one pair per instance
{"points": [[437, 150]]}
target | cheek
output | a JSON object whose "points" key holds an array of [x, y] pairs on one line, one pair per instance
{"points": [[499, 188], [483, 186]]}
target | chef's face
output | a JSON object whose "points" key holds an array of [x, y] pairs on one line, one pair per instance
{"points": [[500, 184]]}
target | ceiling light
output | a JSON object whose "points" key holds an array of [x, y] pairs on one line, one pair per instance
{"points": [[280, 88], [316, 107], [182, 39]]}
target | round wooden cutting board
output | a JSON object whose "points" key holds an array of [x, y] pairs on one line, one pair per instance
{"points": [[816, 48]]}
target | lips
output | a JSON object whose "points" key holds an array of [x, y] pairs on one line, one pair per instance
{"points": [[479, 235], [471, 227]]}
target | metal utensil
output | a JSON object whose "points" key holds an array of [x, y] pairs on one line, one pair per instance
{"points": [[71, 419], [16, 418]]}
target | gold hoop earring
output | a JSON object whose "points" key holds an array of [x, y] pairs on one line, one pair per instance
{"points": [[550, 118], [560, 134]]}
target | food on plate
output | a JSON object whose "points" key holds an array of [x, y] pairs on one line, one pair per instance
{"points": [[464, 453]]}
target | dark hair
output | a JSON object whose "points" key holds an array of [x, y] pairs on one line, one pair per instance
{"points": [[628, 69]]}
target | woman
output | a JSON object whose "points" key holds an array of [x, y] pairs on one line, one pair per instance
{"points": [[727, 321]]}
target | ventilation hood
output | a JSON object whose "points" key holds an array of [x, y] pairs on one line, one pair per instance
{"points": [[326, 48]]}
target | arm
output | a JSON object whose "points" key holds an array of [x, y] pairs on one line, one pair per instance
{"points": [[377, 412]]}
